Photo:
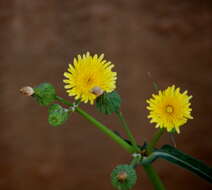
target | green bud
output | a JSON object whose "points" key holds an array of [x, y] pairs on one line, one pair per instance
{"points": [[123, 177], [57, 115], [45, 94], [108, 103], [54, 107]]}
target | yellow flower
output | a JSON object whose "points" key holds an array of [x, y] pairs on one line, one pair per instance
{"points": [[89, 77], [170, 109]]}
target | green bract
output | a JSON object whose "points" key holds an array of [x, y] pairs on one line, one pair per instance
{"points": [[54, 107], [45, 94], [108, 103], [57, 115], [123, 177]]}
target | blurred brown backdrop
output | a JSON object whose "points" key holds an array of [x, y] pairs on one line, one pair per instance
{"points": [[170, 39]]}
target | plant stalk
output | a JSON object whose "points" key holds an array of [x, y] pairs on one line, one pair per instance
{"points": [[100, 126], [150, 171], [62, 100], [147, 167], [127, 130], [153, 177], [135, 161], [155, 139], [105, 130]]}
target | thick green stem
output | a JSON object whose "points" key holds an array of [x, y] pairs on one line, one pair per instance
{"points": [[155, 139], [135, 161], [153, 177], [150, 171], [147, 167], [105, 130], [100, 126], [127, 130]]}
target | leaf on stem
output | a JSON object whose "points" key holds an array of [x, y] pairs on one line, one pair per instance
{"points": [[179, 158], [108, 103]]}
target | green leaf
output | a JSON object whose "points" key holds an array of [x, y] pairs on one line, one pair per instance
{"points": [[108, 103], [44, 94], [123, 177], [57, 115], [179, 158]]}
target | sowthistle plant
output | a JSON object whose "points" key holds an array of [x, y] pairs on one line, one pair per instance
{"points": [[91, 79]]}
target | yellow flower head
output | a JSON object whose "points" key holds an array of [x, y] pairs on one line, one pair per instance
{"points": [[89, 77], [170, 109]]}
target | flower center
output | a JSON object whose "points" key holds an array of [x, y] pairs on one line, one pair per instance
{"points": [[89, 80], [169, 109]]}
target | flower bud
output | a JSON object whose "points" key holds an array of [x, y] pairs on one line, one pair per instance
{"points": [[54, 107], [123, 177], [97, 91], [27, 91], [45, 94], [57, 115], [108, 103]]}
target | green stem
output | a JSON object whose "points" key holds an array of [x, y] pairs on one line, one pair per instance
{"points": [[155, 139], [100, 126], [127, 130], [150, 171], [154, 178], [147, 167], [105, 130], [64, 101], [135, 161]]}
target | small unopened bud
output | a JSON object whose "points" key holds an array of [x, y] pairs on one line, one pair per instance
{"points": [[27, 91], [122, 176], [97, 91], [45, 94], [57, 115]]}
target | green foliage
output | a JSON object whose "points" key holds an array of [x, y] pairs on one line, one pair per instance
{"points": [[179, 158], [44, 94], [123, 177], [57, 115], [108, 103]]}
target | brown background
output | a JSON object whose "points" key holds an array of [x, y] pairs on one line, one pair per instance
{"points": [[170, 39]]}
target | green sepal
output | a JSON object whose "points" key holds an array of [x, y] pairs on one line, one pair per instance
{"points": [[126, 184], [57, 115], [45, 94], [54, 107], [173, 131], [108, 103], [179, 158]]}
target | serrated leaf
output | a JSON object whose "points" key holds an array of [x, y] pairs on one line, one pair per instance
{"points": [[179, 158], [108, 103]]}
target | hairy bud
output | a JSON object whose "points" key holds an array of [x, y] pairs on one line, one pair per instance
{"points": [[97, 91], [44, 94], [123, 177], [57, 115]]}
